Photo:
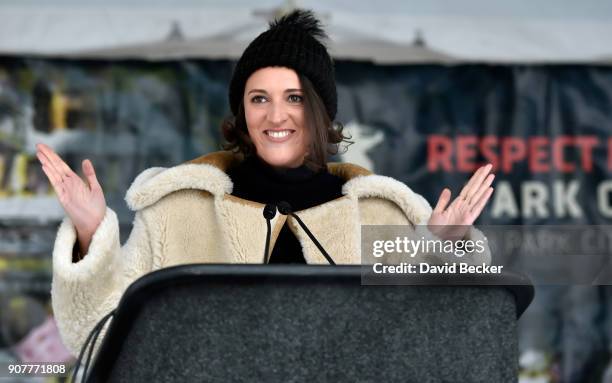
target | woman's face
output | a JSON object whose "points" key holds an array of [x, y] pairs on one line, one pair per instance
{"points": [[274, 112]]}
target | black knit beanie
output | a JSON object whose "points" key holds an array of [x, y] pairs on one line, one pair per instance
{"points": [[293, 41]]}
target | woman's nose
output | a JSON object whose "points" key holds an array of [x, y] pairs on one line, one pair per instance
{"points": [[277, 114]]}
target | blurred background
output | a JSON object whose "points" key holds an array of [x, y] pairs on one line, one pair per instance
{"points": [[428, 91]]}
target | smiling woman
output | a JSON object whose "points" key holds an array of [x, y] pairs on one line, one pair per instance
{"points": [[222, 207]]}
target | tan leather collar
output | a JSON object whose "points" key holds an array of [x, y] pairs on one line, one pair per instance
{"points": [[225, 160]]}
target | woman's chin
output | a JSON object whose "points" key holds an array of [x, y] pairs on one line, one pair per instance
{"points": [[282, 161]]}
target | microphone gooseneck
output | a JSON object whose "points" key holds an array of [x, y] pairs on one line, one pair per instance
{"points": [[285, 209], [269, 212]]}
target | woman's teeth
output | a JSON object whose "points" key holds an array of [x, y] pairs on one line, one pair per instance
{"points": [[278, 134]]}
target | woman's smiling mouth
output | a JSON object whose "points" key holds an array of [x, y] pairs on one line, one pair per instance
{"points": [[279, 135]]}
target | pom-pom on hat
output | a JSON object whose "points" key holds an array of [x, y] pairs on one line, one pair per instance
{"points": [[293, 41]]}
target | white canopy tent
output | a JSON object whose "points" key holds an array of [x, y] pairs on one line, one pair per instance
{"points": [[344, 44], [525, 31]]}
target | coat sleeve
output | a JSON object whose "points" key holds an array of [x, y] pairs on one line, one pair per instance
{"points": [[83, 292]]}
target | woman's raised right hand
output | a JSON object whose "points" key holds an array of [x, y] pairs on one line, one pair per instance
{"points": [[82, 201]]}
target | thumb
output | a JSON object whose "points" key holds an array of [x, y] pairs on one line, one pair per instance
{"points": [[443, 201], [90, 174]]}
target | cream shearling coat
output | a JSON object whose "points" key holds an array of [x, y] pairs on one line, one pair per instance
{"points": [[185, 214]]}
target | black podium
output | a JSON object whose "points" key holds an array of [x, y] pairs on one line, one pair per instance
{"points": [[253, 323]]}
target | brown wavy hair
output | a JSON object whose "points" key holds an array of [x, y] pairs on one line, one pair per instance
{"points": [[325, 135]]}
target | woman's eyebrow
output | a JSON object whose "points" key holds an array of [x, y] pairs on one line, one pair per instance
{"points": [[263, 91]]}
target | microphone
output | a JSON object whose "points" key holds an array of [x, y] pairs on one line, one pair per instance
{"points": [[269, 212], [285, 208]]}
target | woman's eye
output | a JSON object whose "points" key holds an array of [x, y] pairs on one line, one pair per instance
{"points": [[295, 98], [258, 99]]}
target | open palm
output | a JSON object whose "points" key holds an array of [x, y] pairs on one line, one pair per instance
{"points": [[452, 221], [83, 202]]}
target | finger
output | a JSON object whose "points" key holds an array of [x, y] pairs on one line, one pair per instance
{"points": [[43, 156], [51, 171], [481, 203], [468, 185], [54, 180], [42, 159], [476, 180], [90, 174], [60, 166], [443, 200], [481, 190]]}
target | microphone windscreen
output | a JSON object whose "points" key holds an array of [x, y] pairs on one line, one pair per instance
{"points": [[269, 211], [284, 208]]}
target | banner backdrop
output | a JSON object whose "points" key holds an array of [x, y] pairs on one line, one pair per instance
{"points": [[546, 129]]}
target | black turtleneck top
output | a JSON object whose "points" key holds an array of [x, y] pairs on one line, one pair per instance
{"points": [[301, 187]]}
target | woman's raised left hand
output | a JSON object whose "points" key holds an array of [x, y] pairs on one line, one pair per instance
{"points": [[453, 221]]}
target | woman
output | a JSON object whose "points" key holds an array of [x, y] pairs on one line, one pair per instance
{"points": [[209, 210]]}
